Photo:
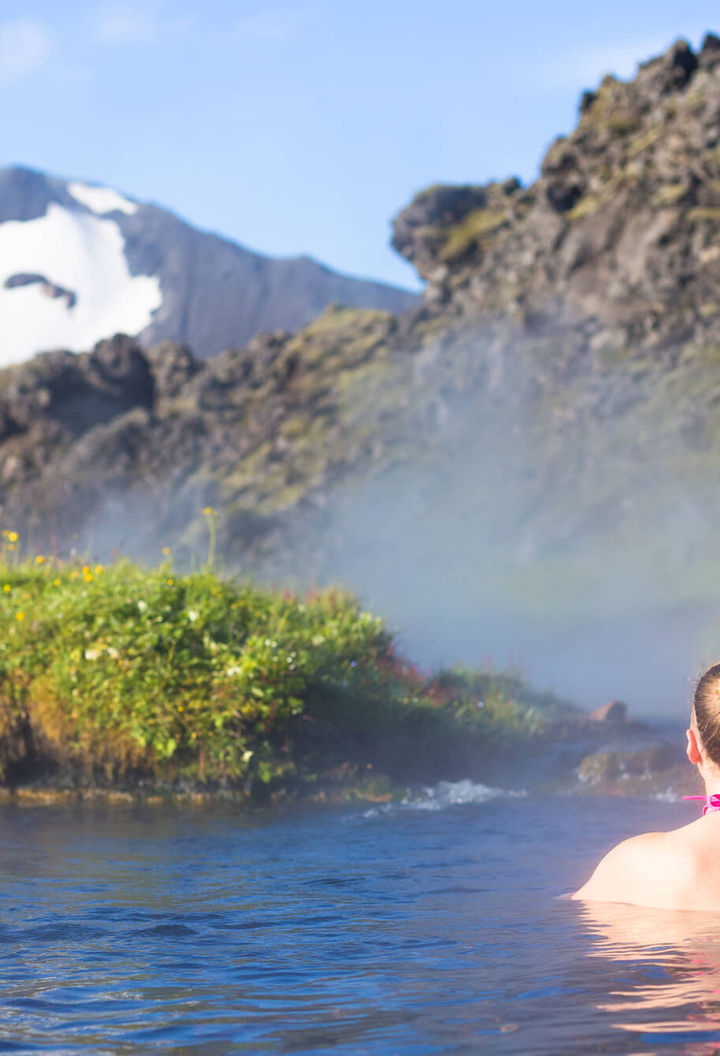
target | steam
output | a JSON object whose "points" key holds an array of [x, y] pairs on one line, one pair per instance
{"points": [[591, 574], [579, 555]]}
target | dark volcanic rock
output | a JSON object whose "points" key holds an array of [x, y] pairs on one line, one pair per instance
{"points": [[172, 366], [50, 289], [76, 392], [642, 758], [618, 232], [710, 53], [567, 351]]}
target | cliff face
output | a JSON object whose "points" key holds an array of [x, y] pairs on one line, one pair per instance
{"points": [[554, 401], [619, 235]]}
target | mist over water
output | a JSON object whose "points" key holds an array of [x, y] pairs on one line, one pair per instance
{"points": [[571, 547], [457, 598], [590, 572]]}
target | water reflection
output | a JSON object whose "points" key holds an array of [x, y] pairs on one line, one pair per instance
{"points": [[668, 969]]}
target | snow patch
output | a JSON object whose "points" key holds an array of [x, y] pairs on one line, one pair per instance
{"points": [[101, 200], [77, 252]]}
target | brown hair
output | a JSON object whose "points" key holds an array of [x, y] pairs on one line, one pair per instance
{"points": [[706, 708]]}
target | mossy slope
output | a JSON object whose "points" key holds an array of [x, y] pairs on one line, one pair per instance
{"points": [[119, 675]]}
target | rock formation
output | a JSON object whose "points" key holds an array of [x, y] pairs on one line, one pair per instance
{"points": [[569, 342]]}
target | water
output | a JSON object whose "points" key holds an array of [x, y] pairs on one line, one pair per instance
{"points": [[428, 927]]}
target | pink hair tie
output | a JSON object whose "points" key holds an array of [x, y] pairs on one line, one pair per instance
{"points": [[711, 802]]}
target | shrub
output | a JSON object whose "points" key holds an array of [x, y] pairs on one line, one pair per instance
{"points": [[121, 672]]}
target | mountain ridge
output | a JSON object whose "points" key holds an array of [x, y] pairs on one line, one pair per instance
{"points": [[139, 268]]}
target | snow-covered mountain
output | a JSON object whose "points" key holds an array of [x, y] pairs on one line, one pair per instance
{"points": [[80, 262]]}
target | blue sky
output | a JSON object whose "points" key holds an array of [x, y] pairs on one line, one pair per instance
{"points": [[303, 126]]}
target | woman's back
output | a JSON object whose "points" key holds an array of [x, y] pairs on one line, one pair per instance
{"points": [[664, 870]]}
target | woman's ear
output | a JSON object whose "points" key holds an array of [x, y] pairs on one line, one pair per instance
{"points": [[693, 751]]}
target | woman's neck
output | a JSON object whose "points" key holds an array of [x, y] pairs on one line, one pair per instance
{"points": [[711, 780]]}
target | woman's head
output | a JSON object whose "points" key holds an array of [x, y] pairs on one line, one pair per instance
{"points": [[705, 719]]}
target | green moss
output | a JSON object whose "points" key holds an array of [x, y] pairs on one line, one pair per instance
{"points": [[708, 355], [471, 232], [295, 426], [712, 158], [609, 355], [558, 150], [695, 101], [623, 124], [670, 194], [700, 213], [644, 141], [625, 178], [338, 317], [431, 329], [585, 207]]}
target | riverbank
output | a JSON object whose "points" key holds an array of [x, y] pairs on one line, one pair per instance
{"points": [[126, 681]]}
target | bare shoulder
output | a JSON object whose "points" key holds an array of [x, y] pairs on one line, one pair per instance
{"points": [[646, 870]]}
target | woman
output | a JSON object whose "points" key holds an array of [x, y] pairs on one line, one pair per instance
{"points": [[678, 869]]}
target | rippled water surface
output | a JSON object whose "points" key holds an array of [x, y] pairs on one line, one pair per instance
{"points": [[431, 927]]}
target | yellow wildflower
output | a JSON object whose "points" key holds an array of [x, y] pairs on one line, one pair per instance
{"points": [[19, 616], [40, 559], [166, 551], [171, 582], [99, 569], [56, 582], [180, 707], [89, 576], [7, 588], [13, 537], [209, 511], [11, 546]]}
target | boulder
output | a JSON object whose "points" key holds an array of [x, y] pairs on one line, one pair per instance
{"points": [[613, 711], [632, 759]]}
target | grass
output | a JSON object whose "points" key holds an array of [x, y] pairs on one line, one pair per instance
{"points": [[472, 232], [623, 124], [644, 141], [670, 194], [122, 674], [703, 213], [585, 207]]}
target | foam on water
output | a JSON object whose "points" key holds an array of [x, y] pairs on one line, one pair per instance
{"points": [[668, 796], [458, 793], [447, 794]]}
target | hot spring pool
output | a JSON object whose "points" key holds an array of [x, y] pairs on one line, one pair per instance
{"points": [[429, 927]]}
